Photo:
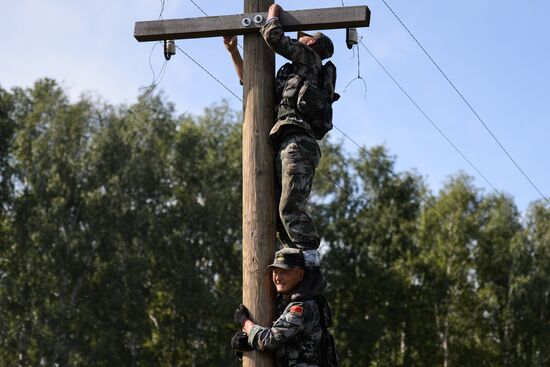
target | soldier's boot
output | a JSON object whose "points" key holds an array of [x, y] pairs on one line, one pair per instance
{"points": [[313, 282], [311, 258]]}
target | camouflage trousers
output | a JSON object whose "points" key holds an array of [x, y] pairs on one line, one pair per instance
{"points": [[297, 157]]}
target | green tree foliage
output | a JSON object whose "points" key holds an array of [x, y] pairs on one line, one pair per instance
{"points": [[120, 245], [123, 232], [529, 322], [368, 228], [499, 229], [7, 130]]}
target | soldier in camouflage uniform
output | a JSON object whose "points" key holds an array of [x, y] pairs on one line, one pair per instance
{"points": [[294, 139], [297, 150], [299, 336]]}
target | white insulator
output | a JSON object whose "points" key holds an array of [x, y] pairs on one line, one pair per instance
{"points": [[170, 47], [352, 37]]}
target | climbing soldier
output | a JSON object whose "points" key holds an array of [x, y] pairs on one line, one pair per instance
{"points": [[300, 335], [304, 91]]}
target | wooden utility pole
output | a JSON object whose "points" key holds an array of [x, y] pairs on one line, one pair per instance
{"points": [[259, 208]]}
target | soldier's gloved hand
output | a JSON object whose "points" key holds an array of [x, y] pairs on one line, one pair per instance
{"points": [[311, 258], [241, 314], [239, 342]]}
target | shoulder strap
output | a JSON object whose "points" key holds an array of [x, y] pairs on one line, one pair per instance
{"points": [[324, 310], [328, 80], [320, 306]]}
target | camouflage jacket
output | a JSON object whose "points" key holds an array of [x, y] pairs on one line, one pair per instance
{"points": [[306, 64], [296, 336]]}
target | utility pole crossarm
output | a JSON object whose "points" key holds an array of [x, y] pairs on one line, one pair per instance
{"points": [[215, 26]]}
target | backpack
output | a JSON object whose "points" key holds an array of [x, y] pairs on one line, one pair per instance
{"points": [[313, 101]]}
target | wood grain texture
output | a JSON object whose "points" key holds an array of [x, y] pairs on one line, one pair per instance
{"points": [[298, 20], [258, 184]]}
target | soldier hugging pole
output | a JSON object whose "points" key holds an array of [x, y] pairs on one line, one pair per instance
{"points": [[258, 181]]}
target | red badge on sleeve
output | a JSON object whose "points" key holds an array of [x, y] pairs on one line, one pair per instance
{"points": [[296, 310]]}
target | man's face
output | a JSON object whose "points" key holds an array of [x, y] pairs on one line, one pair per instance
{"points": [[286, 280], [306, 39]]}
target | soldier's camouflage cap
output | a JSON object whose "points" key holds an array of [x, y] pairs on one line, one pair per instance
{"points": [[326, 47], [288, 258]]}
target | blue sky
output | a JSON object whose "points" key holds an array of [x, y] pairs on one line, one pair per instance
{"points": [[495, 52]]}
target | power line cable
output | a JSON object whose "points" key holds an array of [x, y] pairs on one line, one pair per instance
{"points": [[433, 123], [162, 3], [394, 176], [358, 77], [209, 73], [500, 194], [198, 7], [440, 131], [379, 63], [389, 170], [157, 78], [467, 103]]}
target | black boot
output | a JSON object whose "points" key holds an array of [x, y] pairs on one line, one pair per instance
{"points": [[312, 284]]}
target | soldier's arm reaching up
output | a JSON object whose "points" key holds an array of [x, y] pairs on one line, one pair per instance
{"points": [[230, 43], [290, 49]]}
